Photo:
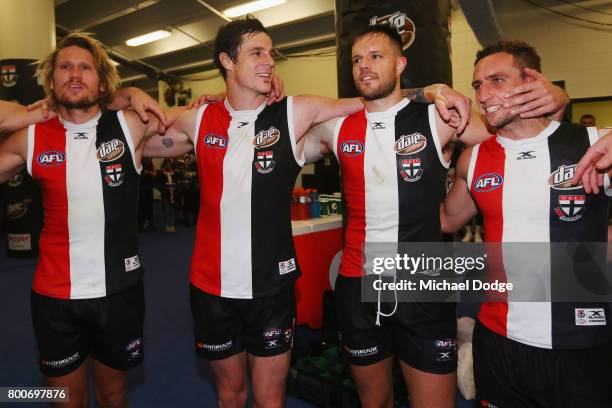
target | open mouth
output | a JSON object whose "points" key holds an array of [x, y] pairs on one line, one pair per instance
{"points": [[492, 108]]}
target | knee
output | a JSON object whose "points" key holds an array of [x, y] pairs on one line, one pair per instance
{"points": [[232, 396], [111, 397]]}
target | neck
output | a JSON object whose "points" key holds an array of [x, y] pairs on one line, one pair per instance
{"points": [[382, 104], [78, 115], [241, 98], [523, 128]]}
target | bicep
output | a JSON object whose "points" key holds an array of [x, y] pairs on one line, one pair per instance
{"points": [[13, 152]]}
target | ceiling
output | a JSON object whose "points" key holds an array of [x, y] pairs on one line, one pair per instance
{"points": [[296, 25], [193, 23]]}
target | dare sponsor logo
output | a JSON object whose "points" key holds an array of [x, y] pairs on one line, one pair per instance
{"points": [[15, 181], [488, 182], [351, 148], [266, 138], [410, 144], [399, 20], [111, 150], [51, 158], [215, 141], [17, 210], [561, 178]]}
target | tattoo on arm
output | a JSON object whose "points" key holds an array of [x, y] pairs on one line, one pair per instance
{"points": [[415, 95], [168, 142]]}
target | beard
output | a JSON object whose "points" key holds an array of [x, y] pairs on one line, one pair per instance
{"points": [[501, 122], [81, 103], [383, 90]]}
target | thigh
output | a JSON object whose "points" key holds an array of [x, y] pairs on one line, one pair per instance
{"points": [[363, 341], [217, 325], [268, 378], [61, 338], [270, 323], [429, 390], [117, 324]]}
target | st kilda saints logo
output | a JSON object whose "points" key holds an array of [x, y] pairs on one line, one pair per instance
{"points": [[114, 175], [561, 178], [111, 150], [571, 207], [410, 144], [411, 170], [405, 27], [266, 138], [351, 148], [9, 75], [488, 182], [264, 162]]}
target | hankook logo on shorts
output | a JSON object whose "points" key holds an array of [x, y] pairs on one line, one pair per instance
{"points": [[111, 150], [410, 144], [61, 363], [266, 138], [215, 348], [362, 352]]}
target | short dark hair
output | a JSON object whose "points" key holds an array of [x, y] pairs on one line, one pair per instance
{"points": [[525, 56], [379, 29], [229, 38], [587, 116]]}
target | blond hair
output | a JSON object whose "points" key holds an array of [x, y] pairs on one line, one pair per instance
{"points": [[109, 77]]}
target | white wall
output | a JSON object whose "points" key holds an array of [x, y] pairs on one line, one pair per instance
{"points": [[573, 52]]}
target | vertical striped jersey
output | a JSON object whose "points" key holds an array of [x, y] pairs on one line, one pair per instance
{"points": [[247, 165], [89, 179], [393, 174], [522, 189]]}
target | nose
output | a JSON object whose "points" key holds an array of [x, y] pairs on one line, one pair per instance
{"points": [[75, 72], [482, 94]]}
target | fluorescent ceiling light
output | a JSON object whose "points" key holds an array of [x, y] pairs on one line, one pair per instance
{"points": [[251, 7], [147, 38]]}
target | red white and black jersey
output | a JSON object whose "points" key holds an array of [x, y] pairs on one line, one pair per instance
{"points": [[89, 240], [247, 167], [521, 188], [393, 176]]}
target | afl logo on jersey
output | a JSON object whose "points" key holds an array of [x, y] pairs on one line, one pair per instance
{"points": [[488, 182], [111, 150], [351, 148], [561, 178], [410, 144], [51, 158], [215, 141], [266, 138]]}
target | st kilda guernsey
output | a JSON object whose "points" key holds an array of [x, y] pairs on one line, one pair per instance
{"points": [[89, 179], [247, 165], [393, 174], [522, 189]]}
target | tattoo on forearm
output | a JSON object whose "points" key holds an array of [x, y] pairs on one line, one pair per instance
{"points": [[415, 94], [168, 142]]}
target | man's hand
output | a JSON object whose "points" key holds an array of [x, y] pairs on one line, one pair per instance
{"points": [[141, 102], [454, 108], [596, 161], [206, 98], [277, 93], [46, 107], [539, 97]]}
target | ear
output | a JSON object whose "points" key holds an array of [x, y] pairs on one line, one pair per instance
{"points": [[401, 65], [226, 61]]}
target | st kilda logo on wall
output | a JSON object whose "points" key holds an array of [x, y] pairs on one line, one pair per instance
{"points": [[404, 26], [9, 75]]}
